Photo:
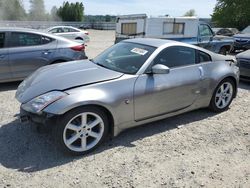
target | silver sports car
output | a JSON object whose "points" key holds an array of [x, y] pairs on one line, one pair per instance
{"points": [[134, 82]]}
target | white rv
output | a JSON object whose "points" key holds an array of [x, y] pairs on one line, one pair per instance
{"points": [[184, 29]]}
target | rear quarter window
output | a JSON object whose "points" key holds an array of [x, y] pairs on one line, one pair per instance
{"points": [[203, 57], [73, 30], [46, 40]]}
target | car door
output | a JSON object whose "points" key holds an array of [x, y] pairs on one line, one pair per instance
{"points": [[158, 94], [205, 37], [29, 51], [5, 72]]}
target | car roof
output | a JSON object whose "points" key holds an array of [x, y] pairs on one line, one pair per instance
{"points": [[59, 26], [28, 30], [16, 29], [163, 42], [151, 41]]}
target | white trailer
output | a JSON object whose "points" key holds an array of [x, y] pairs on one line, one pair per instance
{"points": [[184, 29]]}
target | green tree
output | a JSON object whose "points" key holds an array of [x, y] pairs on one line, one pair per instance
{"points": [[107, 18], [232, 13], [37, 10], [12, 10], [191, 12], [71, 11]]}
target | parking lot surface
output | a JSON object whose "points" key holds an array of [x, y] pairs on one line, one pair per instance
{"points": [[196, 149]]}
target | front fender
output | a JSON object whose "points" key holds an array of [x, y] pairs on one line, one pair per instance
{"points": [[115, 96], [73, 100]]}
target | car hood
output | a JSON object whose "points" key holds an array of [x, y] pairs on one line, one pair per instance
{"points": [[242, 35], [61, 77], [244, 55]]}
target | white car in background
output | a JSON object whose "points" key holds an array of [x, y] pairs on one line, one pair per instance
{"points": [[70, 32]]}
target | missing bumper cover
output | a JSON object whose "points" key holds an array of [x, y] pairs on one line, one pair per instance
{"points": [[24, 118]]}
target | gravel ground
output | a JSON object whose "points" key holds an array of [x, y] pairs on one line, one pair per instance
{"points": [[196, 149]]}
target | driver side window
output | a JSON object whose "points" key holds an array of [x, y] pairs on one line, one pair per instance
{"points": [[205, 31], [176, 56]]}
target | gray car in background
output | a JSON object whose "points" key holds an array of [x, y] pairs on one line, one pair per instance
{"points": [[22, 51], [244, 64], [69, 32], [134, 82]]}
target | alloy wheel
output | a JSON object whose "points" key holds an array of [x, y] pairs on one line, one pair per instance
{"points": [[83, 131], [224, 95]]}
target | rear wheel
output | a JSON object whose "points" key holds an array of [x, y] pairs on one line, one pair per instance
{"points": [[223, 95], [82, 130]]}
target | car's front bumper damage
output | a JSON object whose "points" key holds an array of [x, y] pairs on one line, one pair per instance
{"points": [[45, 119]]}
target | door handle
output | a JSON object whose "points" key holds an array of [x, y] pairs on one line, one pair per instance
{"points": [[2, 56], [201, 73], [46, 52]]}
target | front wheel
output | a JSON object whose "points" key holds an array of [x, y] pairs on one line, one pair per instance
{"points": [[82, 130], [223, 95]]}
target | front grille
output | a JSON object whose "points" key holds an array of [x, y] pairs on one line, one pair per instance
{"points": [[245, 64], [242, 41]]}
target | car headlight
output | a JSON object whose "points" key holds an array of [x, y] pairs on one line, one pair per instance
{"points": [[37, 104]]}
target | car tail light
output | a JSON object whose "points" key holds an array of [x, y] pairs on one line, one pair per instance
{"points": [[78, 48]]}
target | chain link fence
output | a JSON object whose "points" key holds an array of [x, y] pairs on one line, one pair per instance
{"points": [[46, 24]]}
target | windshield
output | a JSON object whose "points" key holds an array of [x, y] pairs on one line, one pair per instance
{"points": [[246, 30], [124, 57]]}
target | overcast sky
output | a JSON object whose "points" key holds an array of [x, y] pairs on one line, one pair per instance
{"points": [[203, 8]]}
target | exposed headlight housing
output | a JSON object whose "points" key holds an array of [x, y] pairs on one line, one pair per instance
{"points": [[37, 104]]}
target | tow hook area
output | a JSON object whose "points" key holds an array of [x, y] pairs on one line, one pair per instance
{"points": [[24, 118]]}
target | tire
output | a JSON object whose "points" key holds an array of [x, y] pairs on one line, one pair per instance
{"points": [[77, 138], [223, 51], [223, 95]]}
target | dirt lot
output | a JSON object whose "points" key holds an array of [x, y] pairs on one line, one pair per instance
{"points": [[197, 149]]}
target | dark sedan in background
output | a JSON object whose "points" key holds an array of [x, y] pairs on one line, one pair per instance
{"points": [[242, 40], [22, 51], [225, 31], [244, 64]]}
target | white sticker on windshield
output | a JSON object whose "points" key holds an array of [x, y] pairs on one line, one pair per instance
{"points": [[139, 51]]}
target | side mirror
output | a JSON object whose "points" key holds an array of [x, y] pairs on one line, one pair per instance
{"points": [[160, 69]]}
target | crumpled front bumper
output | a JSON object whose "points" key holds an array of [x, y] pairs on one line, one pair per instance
{"points": [[43, 118]]}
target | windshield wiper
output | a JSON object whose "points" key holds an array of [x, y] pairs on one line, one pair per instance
{"points": [[101, 65], [92, 60]]}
